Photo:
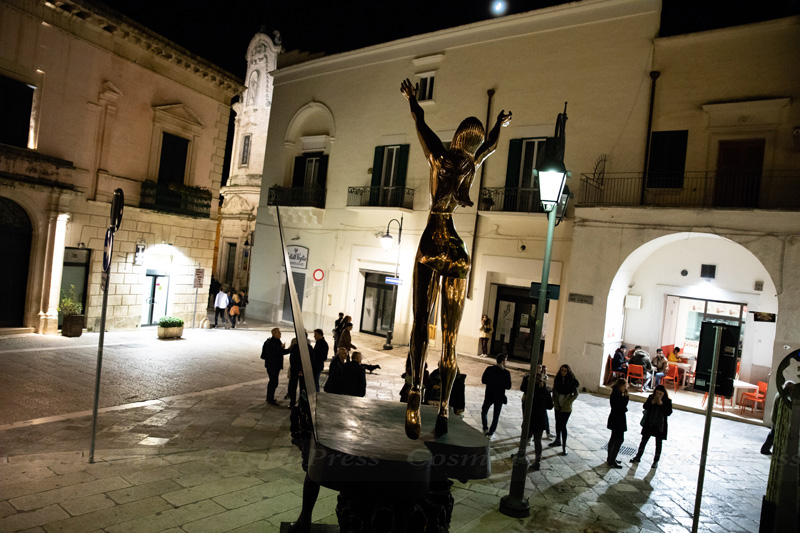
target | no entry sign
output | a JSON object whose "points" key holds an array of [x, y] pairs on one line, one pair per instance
{"points": [[319, 275]]}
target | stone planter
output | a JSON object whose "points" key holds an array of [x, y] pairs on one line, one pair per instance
{"points": [[170, 333], [72, 326]]}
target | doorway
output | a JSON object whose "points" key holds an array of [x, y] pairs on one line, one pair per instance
{"points": [[300, 285], [683, 318], [739, 167], [16, 232], [377, 304], [514, 320], [156, 297]]}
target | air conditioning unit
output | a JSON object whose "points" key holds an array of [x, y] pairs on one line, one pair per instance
{"points": [[633, 302]]}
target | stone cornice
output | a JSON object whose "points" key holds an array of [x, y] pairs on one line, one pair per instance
{"points": [[108, 29]]}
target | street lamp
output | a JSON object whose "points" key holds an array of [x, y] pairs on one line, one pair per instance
{"points": [[386, 242], [552, 176]]}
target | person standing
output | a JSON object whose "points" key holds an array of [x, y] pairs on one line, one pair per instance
{"points": [[497, 380], [657, 409], [788, 386], [272, 353], [233, 308], [242, 306], [565, 390], [296, 370], [335, 383], [617, 421], [319, 355], [337, 330], [485, 335], [354, 375], [458, 400], [345, 339], [220, 307], [542, 402], [660, 367]]}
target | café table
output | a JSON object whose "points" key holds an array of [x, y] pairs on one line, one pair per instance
{"points": [[741, 386], [685, 368]]}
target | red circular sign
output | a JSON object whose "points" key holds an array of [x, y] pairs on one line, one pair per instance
{"points": [[318, 275]]}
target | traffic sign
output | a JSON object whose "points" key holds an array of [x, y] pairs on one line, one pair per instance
{"points": [[107, 247], [319, 275], [394, 281], [199, 273], [117, 203]]}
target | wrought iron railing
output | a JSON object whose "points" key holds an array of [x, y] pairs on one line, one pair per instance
{"points": [[767, 190], [178, 199], [297, 196], [510, 199], [380, 197]]}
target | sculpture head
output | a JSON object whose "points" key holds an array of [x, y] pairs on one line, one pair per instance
{"points": [[469, 135]]}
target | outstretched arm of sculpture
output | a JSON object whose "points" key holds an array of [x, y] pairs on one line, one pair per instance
{"points": [[431, 144], [489, 145]]}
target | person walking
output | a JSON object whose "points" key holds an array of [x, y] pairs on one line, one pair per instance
{"points": [[657, 409], [565, 390], [485, 335], [354, 382], [542, 402], [617, 421], [220, 307], [319, 355], [338, 325], [345, 339], [233, 308], [497, 380], [272, 353], [242, 307]]}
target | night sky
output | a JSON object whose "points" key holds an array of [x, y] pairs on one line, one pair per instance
{"points": [[220, 31]]}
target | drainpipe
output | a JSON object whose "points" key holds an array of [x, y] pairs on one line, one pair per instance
{"points": [[471, 277], [654, 74]]}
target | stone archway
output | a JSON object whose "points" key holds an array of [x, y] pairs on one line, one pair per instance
{"points": [[670, 267], [16, 232]]}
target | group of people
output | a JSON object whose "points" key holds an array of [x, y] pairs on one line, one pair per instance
{"points": [[654, 370], [231, 305], [346, 374]]}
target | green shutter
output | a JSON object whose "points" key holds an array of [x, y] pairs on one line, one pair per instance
{"points": [[402, 166], [377, 166], [299, 171], [514, 158]]}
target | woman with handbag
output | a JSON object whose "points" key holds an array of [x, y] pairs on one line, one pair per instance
{"points": [[617, 420], [233, 309], [657, 409]]}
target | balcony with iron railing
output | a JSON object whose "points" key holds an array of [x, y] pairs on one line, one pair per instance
{"points": [[297, 196], [509, 200], [397, 197], [178, 199], [707, 189]]}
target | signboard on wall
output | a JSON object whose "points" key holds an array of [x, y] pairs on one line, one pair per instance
{"points": [[298, 256]]}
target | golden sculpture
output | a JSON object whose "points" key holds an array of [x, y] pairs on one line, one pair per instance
{"points": [[442, 261]]}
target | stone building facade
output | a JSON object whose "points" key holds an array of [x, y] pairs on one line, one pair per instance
{"points": [[243, 188], [103, 103], [704, 176]]}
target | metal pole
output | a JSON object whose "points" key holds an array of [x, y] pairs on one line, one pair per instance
{"points": [[389, 334], [194, 311], [99, 365], [515, 503], [709, 410]]}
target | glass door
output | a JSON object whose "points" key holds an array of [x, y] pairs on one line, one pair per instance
{"points": [[376, 307], [155, 298]]}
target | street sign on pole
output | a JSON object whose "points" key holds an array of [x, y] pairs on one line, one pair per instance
{"points": [[393, 281], [199, 274]]}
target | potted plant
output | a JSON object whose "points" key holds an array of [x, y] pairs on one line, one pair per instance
{"points": [[170, 327], [71, 310]]}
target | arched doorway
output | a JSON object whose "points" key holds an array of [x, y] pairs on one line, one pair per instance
{"points": [[667, 287], [15, 237]]}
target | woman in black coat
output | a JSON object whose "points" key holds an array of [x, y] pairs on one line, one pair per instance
{"points": [[542, 402], [617, 420], [657, 409]]}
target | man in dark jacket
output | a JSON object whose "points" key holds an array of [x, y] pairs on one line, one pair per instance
{"points": [[296, 370], [272, 353], [497, 380], [319, 355], [642, 358], [335, 383], [355, 377]]}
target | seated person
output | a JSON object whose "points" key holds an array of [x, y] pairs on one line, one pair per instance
{"points": [[674, 357], [661, 366], [620, 361], [642, 358]]}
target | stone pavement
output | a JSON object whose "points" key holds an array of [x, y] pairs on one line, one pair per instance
{"points": [[221, 460]]}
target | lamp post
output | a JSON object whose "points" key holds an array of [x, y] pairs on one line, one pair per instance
{"points": [[386, 242], [551, 176]]}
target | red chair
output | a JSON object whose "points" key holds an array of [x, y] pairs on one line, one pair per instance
{"points": [[610, 372], [636, 372], [720, 400], [756, 397], [671, 375]]}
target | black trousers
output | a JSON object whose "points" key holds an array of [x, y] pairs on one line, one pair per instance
{"points": [[294, 380], [498, 406], [614, 444], [219, 311], [643, 444], [273, 383], [561, 427]]}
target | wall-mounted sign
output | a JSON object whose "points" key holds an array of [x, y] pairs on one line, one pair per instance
{"points": [[298, 256], [581, 298], [138, 256], [763, 317]]}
